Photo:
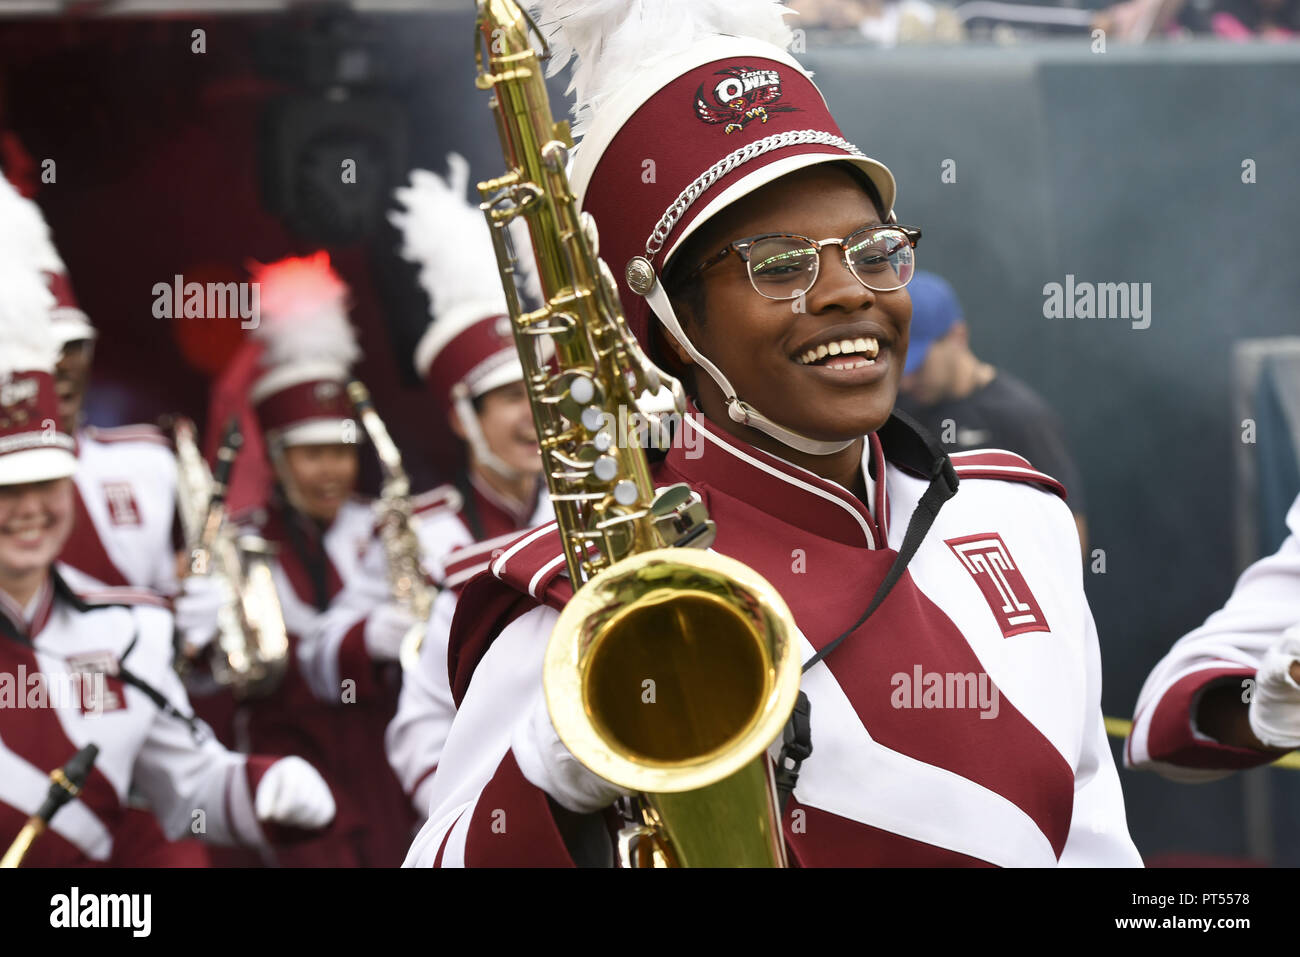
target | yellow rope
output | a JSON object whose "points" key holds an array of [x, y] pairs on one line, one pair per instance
{"points": [[1119, 728]]}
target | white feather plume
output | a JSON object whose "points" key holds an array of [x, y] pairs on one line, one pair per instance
{"points": [[612, 39], [447, 237], [303, 313], [25, 330], [24, 234]]}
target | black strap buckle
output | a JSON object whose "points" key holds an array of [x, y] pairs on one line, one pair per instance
{"points": [[796, 746]]}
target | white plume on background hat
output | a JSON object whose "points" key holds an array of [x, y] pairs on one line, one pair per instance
{"points": [[448, 237], [307, 340], [26, 237], [303, 323], [25, 303], [304, 316], [467, 349], [31, 448]]}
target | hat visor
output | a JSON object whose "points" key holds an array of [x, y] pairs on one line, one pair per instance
{"points": [[320, 432], [507, 373], [36, 465], [877, 172], [71, 325]]}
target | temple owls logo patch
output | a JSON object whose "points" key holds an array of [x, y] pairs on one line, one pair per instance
{"points": [[989, 562], [102, 690], [122, 507], [741, 96]]}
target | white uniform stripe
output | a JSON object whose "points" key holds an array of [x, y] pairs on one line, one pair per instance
{"points": [[1010, 469], [852, 775], [499, 566], [24, 787], [478, 548], [464, 575], [1003, 452], [542, 573]]}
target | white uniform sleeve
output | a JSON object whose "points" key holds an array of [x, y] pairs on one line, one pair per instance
{"points": [[1099, 835], [439, 533], [195, 786], [415, 738], [1229, 646], [506, 685], [332, 643]]}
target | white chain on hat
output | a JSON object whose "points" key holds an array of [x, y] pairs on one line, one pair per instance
{"points": [[729, 162]]}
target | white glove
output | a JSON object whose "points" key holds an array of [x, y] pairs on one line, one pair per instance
{"points": [[386, 626], [547, 764], [200, 598], [1275, 703], [292, 792]]}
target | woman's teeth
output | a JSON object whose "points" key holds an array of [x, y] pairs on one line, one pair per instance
{"points": [[868, 347], [26, 534]]}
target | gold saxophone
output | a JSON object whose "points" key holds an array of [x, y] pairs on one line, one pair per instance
{"points": [[393, 510], [251, 649], [672, 669]]}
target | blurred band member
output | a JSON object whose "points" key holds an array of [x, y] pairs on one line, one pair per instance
{"points": [[125, 487], [335, 698], [93, 664], [123, 492], [1227, 695], [468, 358]]}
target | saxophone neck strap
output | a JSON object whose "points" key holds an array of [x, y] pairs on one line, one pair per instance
{"points": [[797, 742]]}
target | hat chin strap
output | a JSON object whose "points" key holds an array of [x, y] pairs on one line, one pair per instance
{"points": [[280, 465], [738, 409], [478, 444]]}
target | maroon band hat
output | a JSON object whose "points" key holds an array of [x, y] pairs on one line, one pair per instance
{"points": [[301, 396], [33, 447]]}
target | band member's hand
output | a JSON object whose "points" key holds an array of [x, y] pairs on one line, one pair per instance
{"points": [[292, 792], [1275, 702], [547, 764], [200, 599], [385, 629]]}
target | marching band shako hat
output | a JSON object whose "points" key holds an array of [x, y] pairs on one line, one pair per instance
{"points": [[684, 107], [32, 446], [468, 348], [300, 397], [31, 237], [71, 323]]}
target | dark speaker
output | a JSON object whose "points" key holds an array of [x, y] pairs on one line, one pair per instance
{"points": [[330, 165]]}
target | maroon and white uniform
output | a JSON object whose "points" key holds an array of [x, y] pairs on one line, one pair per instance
{"points": [[126, 508], [425, 709], [334, 701], [124, 535], [1228, 648], [991, 603], [194, 785]]}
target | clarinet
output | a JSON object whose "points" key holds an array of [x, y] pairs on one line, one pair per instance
{"points": [[65, 784]]}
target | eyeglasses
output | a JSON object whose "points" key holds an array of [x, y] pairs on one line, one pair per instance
{"points": [[785, 265]]}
